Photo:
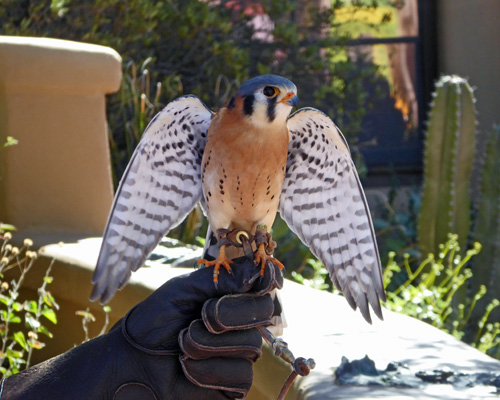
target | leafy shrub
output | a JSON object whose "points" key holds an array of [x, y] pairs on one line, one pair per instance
{"points": [[16, 346], [433, 293]]}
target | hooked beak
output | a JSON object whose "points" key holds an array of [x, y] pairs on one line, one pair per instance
{"points": [[291, 99]]}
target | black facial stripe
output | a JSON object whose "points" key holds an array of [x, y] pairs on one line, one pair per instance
{"points": [[231, 103], [271, 108], [248, 104]]}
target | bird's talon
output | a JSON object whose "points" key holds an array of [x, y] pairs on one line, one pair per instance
{"points": [[261, 257], [221, 260]]}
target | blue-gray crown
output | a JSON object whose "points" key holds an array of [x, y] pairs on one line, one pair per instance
{"points": [[250, 86]]}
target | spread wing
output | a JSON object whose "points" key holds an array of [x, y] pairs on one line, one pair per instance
{"points": [[160, 186], [324, 204]]}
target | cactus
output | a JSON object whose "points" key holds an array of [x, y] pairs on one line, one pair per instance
{"points": [[448, 159], [487, 223]]}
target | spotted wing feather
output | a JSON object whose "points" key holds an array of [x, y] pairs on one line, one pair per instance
{"points": [[160, 186], [324, 204]]}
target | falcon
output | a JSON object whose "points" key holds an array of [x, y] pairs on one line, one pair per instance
{"points": [[243, 164]]}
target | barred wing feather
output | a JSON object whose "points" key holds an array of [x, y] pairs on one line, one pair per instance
{"points": [[160, 186], [324, 204]]}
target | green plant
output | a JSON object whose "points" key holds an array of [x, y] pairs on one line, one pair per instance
{"points": [[88, 317], [16, 346], [448, 159], [10, 141], [313, 274], [396, 223], [429, 294]]}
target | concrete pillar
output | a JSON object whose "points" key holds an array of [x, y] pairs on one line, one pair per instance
{"points": [[57, 179]]}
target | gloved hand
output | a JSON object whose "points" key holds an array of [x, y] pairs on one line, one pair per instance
{"points": [[188, 340]]}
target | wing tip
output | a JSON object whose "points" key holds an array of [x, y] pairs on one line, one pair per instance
{"points": [[102, 293], [96, 293]]}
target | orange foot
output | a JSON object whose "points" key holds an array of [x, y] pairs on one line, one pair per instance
{"points": [[261, 257], [221, 260]]}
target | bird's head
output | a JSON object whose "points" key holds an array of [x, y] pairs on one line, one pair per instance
{"points": [[265, 99]]}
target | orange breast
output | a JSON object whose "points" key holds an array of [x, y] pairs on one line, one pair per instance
{"points": [[243, 169]]}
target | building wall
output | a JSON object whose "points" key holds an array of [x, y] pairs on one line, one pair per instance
{"points": [[469, 46]]}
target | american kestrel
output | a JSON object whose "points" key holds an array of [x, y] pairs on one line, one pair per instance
{"points": [[243, 164]]}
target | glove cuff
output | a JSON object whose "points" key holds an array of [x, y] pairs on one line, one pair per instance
{"points": [[130, 340]]}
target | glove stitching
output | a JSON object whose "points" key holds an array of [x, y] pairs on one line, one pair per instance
{"points": [[204, 385], [236, 349], [125, 387], [204, 317], [139, 347]]}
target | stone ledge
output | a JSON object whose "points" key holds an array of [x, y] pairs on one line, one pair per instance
{"points": [[55, 65]]}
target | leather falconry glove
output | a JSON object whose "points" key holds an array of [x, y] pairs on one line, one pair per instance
{"points": [[188, 340]]}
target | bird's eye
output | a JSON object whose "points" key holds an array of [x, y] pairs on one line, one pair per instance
{"points": [[270, 91]]}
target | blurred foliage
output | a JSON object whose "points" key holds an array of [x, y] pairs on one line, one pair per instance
{"points": [[22, 322], [208, 49], [431, 293], [396, 224]]}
